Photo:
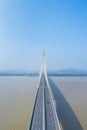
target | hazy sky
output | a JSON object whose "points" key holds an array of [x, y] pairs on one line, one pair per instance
{"points": [[27, 27]]}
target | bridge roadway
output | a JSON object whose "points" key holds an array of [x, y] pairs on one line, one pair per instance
{"points": [[43, 117]]}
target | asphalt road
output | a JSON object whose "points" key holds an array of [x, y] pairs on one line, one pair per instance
{"points": [[43, 115], [51, 122]]}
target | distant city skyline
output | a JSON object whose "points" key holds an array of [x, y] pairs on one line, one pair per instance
{"points": [[27, 28]]}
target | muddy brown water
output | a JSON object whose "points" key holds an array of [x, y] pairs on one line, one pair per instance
{"points": [[17, 95]]}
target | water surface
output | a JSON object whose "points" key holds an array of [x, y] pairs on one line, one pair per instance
{"points": [[17, 95]]}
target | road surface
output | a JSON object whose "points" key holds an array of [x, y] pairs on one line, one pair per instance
{"points": [[43, 114]]}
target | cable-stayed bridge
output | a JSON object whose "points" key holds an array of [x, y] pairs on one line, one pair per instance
{"points": [[44, 116]]}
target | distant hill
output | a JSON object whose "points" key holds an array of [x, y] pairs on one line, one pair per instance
{"points": [[69, 72], [16, 73], [62, 72]]}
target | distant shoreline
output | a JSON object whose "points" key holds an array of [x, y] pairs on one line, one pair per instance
{"points": [[63, 72], [36, 74]]}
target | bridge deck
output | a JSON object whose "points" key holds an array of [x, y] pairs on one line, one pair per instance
{"points": [[46, 120], [44, 115]]}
